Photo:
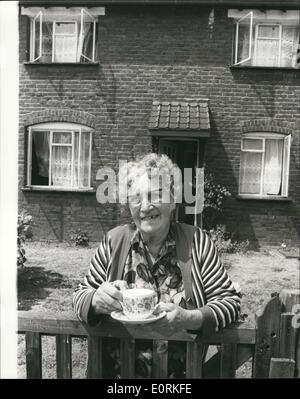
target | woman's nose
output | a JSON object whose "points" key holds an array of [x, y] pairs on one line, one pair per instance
{"points": [[145, 204]]}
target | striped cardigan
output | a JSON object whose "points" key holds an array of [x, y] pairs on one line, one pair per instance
{"points": [[214, 292]]}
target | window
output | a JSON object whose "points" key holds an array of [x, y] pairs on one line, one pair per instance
{"points": [[60, 35], [59, 156], [266, 39], [264, 167]]}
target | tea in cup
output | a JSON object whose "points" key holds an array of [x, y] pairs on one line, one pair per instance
{"points": [[139, 303]]}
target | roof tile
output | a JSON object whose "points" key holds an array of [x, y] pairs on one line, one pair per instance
{"points": [[178, 115]]}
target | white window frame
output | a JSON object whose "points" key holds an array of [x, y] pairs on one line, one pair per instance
{"points": [[56, 127], [54, 35], [58, 16], [279, 39], [259, 18], [94, 33], [250, 38], [33, 36], [285, 162]]}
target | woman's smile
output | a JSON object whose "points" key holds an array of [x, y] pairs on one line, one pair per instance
{"points": [[149, 218], [152, 219]]}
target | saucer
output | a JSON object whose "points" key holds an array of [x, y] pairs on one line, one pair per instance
{"points": [[120, 316]]}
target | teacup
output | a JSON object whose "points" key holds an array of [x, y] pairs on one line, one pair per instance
{"points": [[139, 303]]}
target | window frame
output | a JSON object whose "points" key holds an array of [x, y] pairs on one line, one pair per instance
{"points": [[285, 164], [55, 35], [250, 39], [257, 20], [62, 127], [94, 34], [79, 33], [33, 35], [256, 38]]}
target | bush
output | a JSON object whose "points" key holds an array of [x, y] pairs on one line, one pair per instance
{"points": [[224, 241], [215, 196], [25, 223], [80, 238]]}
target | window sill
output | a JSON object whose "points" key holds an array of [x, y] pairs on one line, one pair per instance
{"points": [[63, 63], [262, 198], [60, 189], [264, 68]]}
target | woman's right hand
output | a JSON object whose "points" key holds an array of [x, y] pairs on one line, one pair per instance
{"points": [[106, 299]]}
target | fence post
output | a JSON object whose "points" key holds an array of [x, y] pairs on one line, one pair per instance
{"points": [[282, 368], [33, 355], [127, 357], [194, 359], [228, 360], [288, 334], [95, 367], [267, 337], [160, 359], [290, 337], [63, 356]]}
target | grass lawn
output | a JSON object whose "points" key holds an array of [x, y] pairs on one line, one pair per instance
{"points": [[53, 271]]}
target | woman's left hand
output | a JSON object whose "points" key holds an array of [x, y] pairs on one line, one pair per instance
{"points": [[176, 319]]}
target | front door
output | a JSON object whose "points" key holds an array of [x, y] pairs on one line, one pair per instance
{"points": [[186, 154]]}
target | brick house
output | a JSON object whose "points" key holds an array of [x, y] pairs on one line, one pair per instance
{"points": [[214, 82]]}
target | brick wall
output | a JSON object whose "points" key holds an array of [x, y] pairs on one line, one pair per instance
{"points": [[163, 53]]}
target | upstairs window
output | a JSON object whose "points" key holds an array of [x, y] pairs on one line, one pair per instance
{"points": [[59, 35], [264, 168], [266, 38], [59, 156]]}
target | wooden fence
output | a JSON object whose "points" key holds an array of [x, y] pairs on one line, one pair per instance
{"points": [[273, 346]]}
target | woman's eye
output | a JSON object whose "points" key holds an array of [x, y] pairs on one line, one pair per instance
{"points": [[155, 197], [134, 199]]}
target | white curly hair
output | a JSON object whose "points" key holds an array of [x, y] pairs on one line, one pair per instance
{"points": [[155, 166]]}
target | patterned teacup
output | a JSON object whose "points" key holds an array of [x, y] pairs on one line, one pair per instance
{"points": [[139, 303]]}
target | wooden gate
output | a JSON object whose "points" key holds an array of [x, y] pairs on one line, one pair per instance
{"points": [[273, 346]]}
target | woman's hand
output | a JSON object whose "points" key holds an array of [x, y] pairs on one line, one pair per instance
{"points": [[120, 284], [176, 319], [107, 298]]}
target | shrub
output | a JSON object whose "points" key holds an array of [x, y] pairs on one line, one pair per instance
{"points": [[80, 238], [215, 196], [25, 223], [224, 241]]}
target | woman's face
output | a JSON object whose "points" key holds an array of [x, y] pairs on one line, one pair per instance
{"points": [[150, 213]]}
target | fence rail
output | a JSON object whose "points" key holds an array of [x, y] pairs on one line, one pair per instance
{"points": [[273, 345]]}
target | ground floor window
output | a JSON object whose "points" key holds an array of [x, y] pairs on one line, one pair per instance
{"points": [[59, 155], [264, 167]]}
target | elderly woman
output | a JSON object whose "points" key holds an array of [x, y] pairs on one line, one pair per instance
{"points": [[178, 261]]}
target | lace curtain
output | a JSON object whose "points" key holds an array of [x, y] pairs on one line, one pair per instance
{"points": [[81, 177], [61, 160], [66, 37], [250, 172], [254, 173], [273, 167], [69, 44], [290, 44], [61, 166], [267, 50], [267, 46]]}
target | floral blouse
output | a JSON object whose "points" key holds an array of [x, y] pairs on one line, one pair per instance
{"points": [[162, 275]]}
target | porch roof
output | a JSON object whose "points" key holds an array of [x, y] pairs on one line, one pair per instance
{"points": [[184, 118]]}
